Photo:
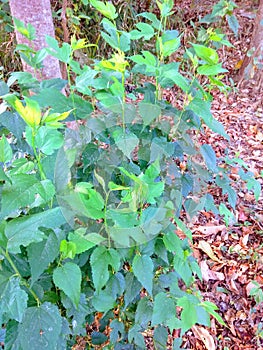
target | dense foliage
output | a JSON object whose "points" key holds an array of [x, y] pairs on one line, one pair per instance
{"points": [[96, 175]]}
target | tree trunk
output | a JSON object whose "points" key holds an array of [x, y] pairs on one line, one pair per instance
{"points": [[252, 67], [38, 13]]}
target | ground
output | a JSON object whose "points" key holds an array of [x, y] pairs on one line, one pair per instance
{"points": [[232, 257]]}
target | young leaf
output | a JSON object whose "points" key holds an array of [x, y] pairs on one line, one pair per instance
{"points": [[142, 266], [107, 9], [45, 331], [31, 113], [206, 53], [68, 279]]}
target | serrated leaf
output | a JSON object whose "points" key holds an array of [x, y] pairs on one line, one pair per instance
{"points": [[211, 69], [103, 302], [160, 337], [99, 262], [143, 313], [13, 301], [149, 112], [46, 140], [20, 193], [143, 30], [68, 279], [125, 142], [44, 331], [6, 153], [209, 157], [211, 309], [25, 230], [142, 266], [84, 242], [107, 9], [188, 314], [163, 308], [206, 53], [41, 254]]}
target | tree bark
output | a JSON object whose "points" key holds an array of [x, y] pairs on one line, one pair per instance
{"points": [[252, 67], [38, 13]]}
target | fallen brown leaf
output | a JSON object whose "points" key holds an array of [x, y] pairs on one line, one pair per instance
{"points": [[203, 334]]}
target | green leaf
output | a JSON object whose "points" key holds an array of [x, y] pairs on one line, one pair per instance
{"points": [[62, 53], [255, 185], [89, 201], [25, 230], [20, 193], [211, 309], [68, 279], [209, 157], [160, 338], [169, 45], [41, 254], [98, 338], [67, 250], [143, 30], [132, 289], [13, 301], [178, 79], [3, 176], [163, 308], [173, 243], [149, 112], [142, 266], [233, 23], [100, 259], [206, 53], [107, 9], [46, 140], [6, 153], [188, 315], [147, 58], [83, 241], [182, 226], [143, 313], [103, 302], [27, 30], [125, 142], [211, 69], [44, 331], [183, 268]]}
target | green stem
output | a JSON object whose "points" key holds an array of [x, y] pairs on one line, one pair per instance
{"points": [[123, 102], [37, 156], [105, 217], [23, 282]]}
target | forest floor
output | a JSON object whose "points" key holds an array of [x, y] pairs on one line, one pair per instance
{"points": [[231, 261]]}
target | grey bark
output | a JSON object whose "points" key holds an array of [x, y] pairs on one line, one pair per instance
{"points": [[38, 13]]}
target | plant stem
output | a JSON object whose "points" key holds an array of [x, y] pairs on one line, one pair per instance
{"points": [[23, 282], [38, 158]]}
